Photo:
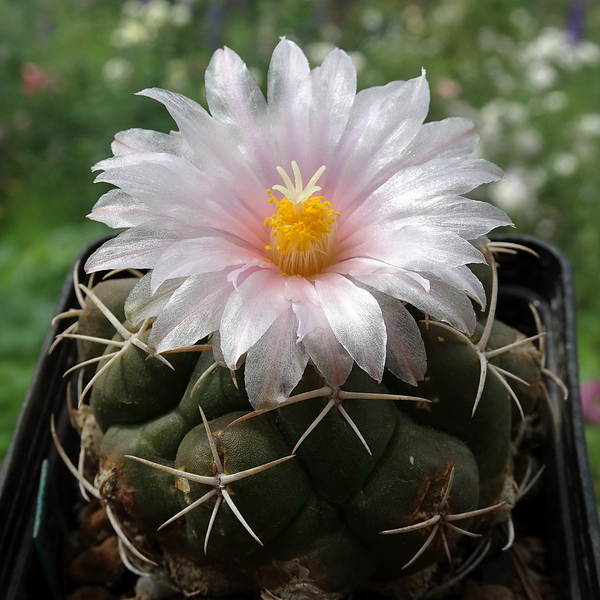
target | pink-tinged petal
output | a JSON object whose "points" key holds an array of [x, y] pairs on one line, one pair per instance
{"points": [[418, 249], [193, 196], [289, 93], [238, 276], [151, 177], [305, 304], [334, 89], [406, 357], [462, 278], [215, 151], [132, 141], [275, 364], [328, 355], [235, 100], [359, 266], [467, 218], [137, 248], [451, 137], [205, 135], [250, 311], [193, 312], [314, 331], [382, 123], [442, 301], [141, 304], [195, 256], [355, 318], [118, 209], [403, 193], [436, 223]]}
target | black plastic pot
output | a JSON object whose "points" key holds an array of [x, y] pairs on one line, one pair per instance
{"points": [[34, 517]]}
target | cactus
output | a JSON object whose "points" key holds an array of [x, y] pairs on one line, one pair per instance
{"points": [[266, 449], [364, 485]]}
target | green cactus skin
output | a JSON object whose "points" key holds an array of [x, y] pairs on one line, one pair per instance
{"points": [[332, 516], [451, 383], [140, 380], [92, 322]]}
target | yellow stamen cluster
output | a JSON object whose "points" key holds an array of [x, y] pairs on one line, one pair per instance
{"points": [[302, 228]]}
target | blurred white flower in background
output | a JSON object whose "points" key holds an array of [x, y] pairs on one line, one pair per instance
{"points": [[142, 21], [157, 13], [555, 101], [117, 70], [565, 164], [176, 74], [589, 125], [554, 46], [372, 19], [131, 33], [317, 52], [517, 191], [528, 141], [541, 75]]}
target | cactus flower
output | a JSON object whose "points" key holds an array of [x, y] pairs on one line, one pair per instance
{"points": [[294, 228]]}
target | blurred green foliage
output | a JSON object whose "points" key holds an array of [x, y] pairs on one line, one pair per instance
{"points": [[527, 72]]}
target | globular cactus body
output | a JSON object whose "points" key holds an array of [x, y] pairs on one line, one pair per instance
{"points": [[364, 485]]}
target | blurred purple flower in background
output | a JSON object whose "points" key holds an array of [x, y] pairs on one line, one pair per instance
{"points": [[575, 20], [590, 401]]}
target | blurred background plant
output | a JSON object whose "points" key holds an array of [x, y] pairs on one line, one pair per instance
{"points": [[527, 72]]}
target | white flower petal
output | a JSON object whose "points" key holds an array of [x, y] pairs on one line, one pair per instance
{"points": [[305, 304], [194, 196], [137, 248], [315, 333], [289, 93], [250, 310], [407, 190], [358, 266], [443, 301], [420, 249], [328, 355], [426, 249], [355, 318], [467, 218], [462, 278], [215, 152], [236, 101], [195, 256], [141, 304], [118, 209], [451, 137], [152, 177], [193, 312], [382, 123], [132, 141], [406, 357], [205, 135], [334, 89], [275, 364]]}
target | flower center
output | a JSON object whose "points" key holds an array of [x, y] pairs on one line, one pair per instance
{"points": [[303, 226]]}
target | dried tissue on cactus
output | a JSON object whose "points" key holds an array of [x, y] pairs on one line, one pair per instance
{"points": [[300, 387]]}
